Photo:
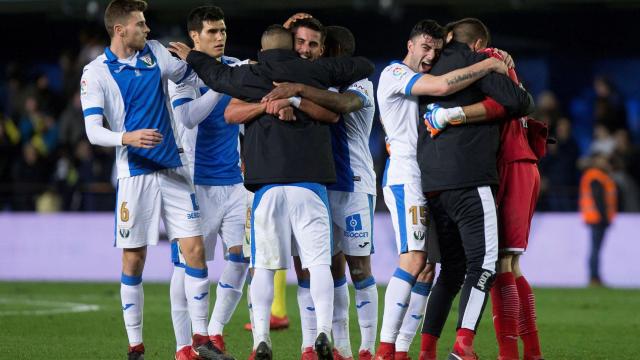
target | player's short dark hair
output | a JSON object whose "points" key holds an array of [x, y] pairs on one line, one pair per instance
{"points": [[340, 41], [118, 10], [427, 27], [313, 24], [201, 14], [278, 36], [469, 30]]}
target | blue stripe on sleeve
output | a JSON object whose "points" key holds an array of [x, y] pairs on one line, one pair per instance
{"points": [[93, 111], [180, 101], [187, 72], [407, 89]]}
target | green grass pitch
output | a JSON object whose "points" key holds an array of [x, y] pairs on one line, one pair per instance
{"points": [[37, 322]]}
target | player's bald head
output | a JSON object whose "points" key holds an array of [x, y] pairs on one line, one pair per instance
{"points": [[276, 37]]}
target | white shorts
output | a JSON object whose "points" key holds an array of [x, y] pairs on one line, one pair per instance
{"points": [[143, 199], [408, 208], [246, 245], [286, 216], [223, 213], [352, 215]]}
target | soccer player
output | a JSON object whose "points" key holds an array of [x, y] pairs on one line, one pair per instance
{"points": [[400, 84], [522, 143], [461, 198], [212, 148], [352, 200], [290, 198], [152, 181]]}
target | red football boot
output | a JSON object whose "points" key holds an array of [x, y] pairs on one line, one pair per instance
{"points": [[309, 354], [186, 353], [386, 351], [365, 355], [218, 342], [338, 356], [402, 355], [136, 352]]}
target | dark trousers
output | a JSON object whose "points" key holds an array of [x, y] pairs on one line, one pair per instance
{"points": [[467, 226], [598, 232]]}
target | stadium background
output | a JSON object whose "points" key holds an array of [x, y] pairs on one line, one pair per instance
{"points": [[57, 195]]}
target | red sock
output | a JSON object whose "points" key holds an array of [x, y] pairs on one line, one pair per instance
{"points": [[428, 345], [506, 309], [386, 347], [464, 342], [527, 324]]}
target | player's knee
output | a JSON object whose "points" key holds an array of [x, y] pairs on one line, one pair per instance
{"points": [[413, 262], [452, 276], [133, 261], [359, 268], [428, 273], [504, 263]]}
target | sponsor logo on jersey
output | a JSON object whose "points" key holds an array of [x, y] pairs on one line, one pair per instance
{"points": [[353, 227], [193, 215], [83, 87]]}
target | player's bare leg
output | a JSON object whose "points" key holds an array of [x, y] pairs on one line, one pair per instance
{"points": [[366, 303], [506, 308], [396, 300], [527, 328], [415, 312], [132, 296]]}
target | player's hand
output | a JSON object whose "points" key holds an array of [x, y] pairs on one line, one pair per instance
{"points": [[498, 66], [180, 49], [143, 138], [506, 58], [283, 91], [295, 17], [274, 106], [430, 120], [286, 114]]}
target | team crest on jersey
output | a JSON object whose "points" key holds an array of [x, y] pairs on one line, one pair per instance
{"points": [[124, 233], [148, 60], [398, 71], [419, 235]]}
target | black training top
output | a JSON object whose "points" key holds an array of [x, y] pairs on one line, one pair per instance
{"points": [[276, 151], [465, 156]]}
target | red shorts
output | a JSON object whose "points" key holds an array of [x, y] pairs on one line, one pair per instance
{"points": [[517, 197]]}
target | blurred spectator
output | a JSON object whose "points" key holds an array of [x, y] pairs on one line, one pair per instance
{"points": [[602, 141], [608, 108], [71, 124], [598, 204], [29, 179], [9, 153], [548, 109], [559, 171], [626, 165], [48, 101], [38, 128]]}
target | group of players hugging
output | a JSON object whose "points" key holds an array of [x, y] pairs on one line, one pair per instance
{"points": [[461, 181]]}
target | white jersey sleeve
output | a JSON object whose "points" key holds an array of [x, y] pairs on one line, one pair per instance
{"points": [[364, 89], [92, 97]]}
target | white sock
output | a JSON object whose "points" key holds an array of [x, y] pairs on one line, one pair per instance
{"points": [[196, 289], [307, 314], [179, 309], [132, 296], [414, 315], [261, 299], [228, 294], [367, 309], [396, 302], [322, 295], [340, 324]]}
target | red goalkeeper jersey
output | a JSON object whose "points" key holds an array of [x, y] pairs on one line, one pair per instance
{"points": [[514, 145]]}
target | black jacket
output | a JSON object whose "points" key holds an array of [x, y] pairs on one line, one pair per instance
{"points": [[277, 151], [465, 156]]}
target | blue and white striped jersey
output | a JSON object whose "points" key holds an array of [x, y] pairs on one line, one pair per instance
{"points": [[350, 142], [212, 146], [132, 94]]}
